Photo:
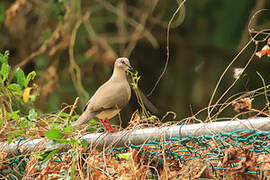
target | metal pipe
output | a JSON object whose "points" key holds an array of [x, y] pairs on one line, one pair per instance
{"points": [[141, 136]]}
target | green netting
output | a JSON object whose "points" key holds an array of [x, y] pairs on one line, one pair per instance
{"points": [[14, 167], [225, 155]]}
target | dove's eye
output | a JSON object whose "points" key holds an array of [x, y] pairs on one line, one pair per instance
{"points": [[123, 62]]}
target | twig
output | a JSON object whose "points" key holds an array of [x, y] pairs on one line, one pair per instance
{"points": [[43, 48], [74, 68], [258, 6], [93, 37], [209, 111], [239, 96], [72, 109], [265, 92], [122, 30], [131, 22], [138, 31], [167, 47]]}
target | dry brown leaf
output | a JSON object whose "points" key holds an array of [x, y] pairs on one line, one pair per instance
{"points": [[242, 105]]}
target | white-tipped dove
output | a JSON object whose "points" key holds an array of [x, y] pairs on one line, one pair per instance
{"points": [[110, 98]]}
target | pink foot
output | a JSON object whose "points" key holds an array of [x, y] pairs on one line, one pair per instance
{"points": [[104, 125], [110, 128]]}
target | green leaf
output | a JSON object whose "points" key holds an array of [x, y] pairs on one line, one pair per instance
{"points": [[74, 117], [54, 134], [50, 155], [10, 140], [62, 141], [4, 57], [125, 156], [38, 156], [68, 129], [92, 121], [29, 77], [23, 123], [33, 115], [15, 114], [1, 121], [72, 172], [15, 88], [84, 144], [5, 69], [63, 114], [19, 74], [74, 142]]}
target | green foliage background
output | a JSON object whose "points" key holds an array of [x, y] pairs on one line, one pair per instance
{"points": [[71, 44]]}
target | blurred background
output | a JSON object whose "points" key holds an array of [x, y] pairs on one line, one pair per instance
{"points": [[72, 45]]}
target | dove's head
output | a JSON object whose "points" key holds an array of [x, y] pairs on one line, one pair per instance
{"points": [[123, 64]]}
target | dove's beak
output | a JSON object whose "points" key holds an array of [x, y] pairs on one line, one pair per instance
{"points": [[131, 69]]}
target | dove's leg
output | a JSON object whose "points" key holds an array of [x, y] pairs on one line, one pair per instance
{"points": [[104, 125], [111, 129]]}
